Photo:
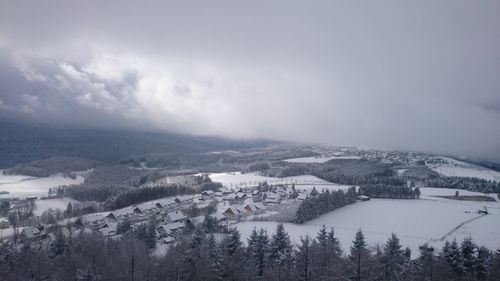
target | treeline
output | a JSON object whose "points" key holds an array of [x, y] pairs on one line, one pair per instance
{"points": [[343, 171], [52, 166], [318, 204], [139, 195], [472, 184], [201, 256], [89, 192], [389, 191]]}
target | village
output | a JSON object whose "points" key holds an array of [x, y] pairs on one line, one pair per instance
{"points": [[175, 216]]}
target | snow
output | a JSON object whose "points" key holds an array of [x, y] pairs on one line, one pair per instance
{"points": [[304, 182], [57, 203], [24, 186], [321, 159], [414, 221], [455, 168]]}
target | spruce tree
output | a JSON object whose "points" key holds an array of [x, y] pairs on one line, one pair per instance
{"points": [[281, 252], [451, 252], [468, 255], [304, 259], [359, 253], [393, 258]]}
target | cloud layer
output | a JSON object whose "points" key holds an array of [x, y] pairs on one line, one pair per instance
{"points": [[421, 76]]}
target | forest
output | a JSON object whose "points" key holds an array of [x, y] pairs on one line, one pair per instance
{"points": [[205, 256], [318, 204]]}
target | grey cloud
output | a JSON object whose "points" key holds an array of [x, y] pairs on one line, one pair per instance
{"points": [[420, 75]]}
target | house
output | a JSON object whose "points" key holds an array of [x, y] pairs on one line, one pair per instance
{"points": [[163, 231], [34, 233], [250, 208], [109, 230], [363, 198], [218, 194], [230, 197], [78, 223], [171, 228], [207, 193], [178, 201], [255, 192], [158, 205], [302, 196], [168, 240], [197, 220], [272, 200], [240, 195], [138, 211], [224, 190], [176, 216], [231, 212], [110, 218], [218, 216]]}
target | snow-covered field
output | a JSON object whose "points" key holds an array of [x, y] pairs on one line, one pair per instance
{"points": [[321, 159], [25, 186], [455, 168], [414, 221], [57, 203], [304, 182]]}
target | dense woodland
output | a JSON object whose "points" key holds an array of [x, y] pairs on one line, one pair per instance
{"points": [[318, 204], [472, 184], [389, 191], [202, 256]]}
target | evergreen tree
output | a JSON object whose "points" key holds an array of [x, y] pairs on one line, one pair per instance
{"points": [[453, 257], [215, 261], [468, 255], [426, 263], [232, 255], [59, 243], [393, 258], [69, 210], [304, 259], [494, 266], [483, 262], [359, 254], [257, 251], [281, 252]]}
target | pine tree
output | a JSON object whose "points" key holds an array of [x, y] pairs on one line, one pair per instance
{"points": [[334, 244], [280, 251], [451, 252], [468, 254], [257, 252], [494, 266], [393, 258], [59, 244], [232, 255], [483, 262], [304, 259], [359, 253], [426, 262], [69, 210], [215, 261]]}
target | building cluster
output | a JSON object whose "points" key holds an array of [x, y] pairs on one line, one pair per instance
{"points": [[170, 213]]}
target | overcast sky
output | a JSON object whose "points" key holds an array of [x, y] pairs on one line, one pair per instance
{"points": [[418, 75]]}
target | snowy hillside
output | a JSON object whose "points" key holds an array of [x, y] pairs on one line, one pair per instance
{"points": [[455, 168]]}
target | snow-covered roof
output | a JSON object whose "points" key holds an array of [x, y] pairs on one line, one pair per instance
{"points": [[233, 210], [197, 220], [218, 216], [168, 240], [176, 216]]}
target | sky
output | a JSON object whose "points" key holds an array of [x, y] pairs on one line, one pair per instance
{"points": [[412, 75]]}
